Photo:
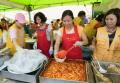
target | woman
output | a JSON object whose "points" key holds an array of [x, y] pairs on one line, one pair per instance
{"points": [[70, 35], [107, 45], [43, 34], [15, 39], [3, 32]]}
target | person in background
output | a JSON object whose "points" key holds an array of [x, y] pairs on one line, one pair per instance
{"points": [[107, 43], [4, 23], [56, 25], [85, 20], [91, 28], [43, 34], [70, 35], [80, 19], [3, 32], [15, 39], [34, 26]]}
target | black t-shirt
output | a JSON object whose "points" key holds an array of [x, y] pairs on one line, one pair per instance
{"points": [[111, 37]]}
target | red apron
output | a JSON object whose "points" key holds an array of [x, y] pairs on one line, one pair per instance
{"points": [[68, 40], [42, 42]]}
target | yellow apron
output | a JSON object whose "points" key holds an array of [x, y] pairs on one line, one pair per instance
{"points": [[19, 39], [0, 33], [89, 30], [103, 51], [78, 21]]}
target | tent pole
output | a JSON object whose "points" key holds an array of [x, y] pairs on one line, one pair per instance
{"points": [[29, 13], [92, 10], [29, 9]]}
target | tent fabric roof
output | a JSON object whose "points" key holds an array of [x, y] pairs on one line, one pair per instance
{"points": [[35, 4], [2, 7], [47, 2]]}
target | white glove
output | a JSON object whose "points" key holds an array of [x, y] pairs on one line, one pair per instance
{"points": [[78, 43], [91, 47], [51, 50], [35, 45]]}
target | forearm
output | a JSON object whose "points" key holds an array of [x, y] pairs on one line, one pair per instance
{"points": [[56, 47], [51, 38], [84, 42], [84, 39], [94, 42]]}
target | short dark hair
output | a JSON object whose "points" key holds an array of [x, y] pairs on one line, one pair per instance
{"points": [[57, 20], [69, 13], [81, 13], [41, 16], [116, 12]]}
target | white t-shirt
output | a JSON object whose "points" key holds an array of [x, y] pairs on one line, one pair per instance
{"points": [[13, 33]]}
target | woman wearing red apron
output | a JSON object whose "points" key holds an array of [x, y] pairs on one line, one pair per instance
{"points": [[43, 35], [70, 35]]}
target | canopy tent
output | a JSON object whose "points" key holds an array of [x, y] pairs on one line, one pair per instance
{"points": [[30, 5], [3, 8], [37, 4]]}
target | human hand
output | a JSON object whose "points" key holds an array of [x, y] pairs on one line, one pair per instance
{"points": [[77, 43], [51, 50], [91, 47], [35, 45]]}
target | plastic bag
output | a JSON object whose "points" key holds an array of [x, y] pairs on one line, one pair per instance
{"points": [[26, 61]]}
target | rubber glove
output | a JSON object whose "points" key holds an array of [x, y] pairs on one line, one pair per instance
{"points": [[77, 43], [91, 47], [51, 50], [35, 45]]}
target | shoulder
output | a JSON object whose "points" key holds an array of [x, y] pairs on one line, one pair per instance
{"points": [[118, 28], [60, 32], [79, 27], [77, 18], [61, 29], [49, 27], [13, 27], [101, 29]]}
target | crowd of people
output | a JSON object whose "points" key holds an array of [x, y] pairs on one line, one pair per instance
{"points": [[101, 35]]}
